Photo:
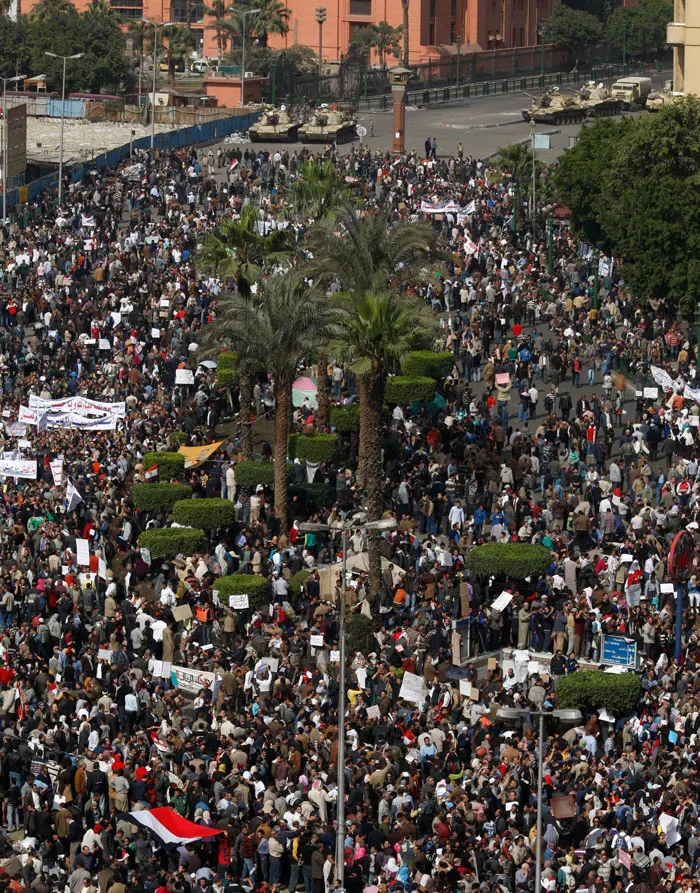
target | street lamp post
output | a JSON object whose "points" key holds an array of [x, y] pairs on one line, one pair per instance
{"points": [[320, 18], [244, 13], [156, 26], [459, 55], [511, 714], [5, 81], [624, 49], [357, 521], [534, 183], [63, 115]]}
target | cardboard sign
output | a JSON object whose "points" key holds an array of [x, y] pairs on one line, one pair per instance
{"points": [[373, 712], [317, 642], [503, 379], [184, 376], [182, 612], [240, 601]]}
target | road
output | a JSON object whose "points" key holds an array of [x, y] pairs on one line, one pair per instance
{"points": [[483, 125]]}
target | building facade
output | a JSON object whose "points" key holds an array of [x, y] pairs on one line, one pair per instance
{"points": [[434, 25], [683, 34]]}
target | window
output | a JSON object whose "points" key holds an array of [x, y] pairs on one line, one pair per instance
{"points": [[188, 11], [431, 39], [360, 7], [121, 4], [453, 8]]}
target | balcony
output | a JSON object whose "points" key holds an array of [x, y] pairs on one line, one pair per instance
{"points": [[675, 34], [361, 8]]}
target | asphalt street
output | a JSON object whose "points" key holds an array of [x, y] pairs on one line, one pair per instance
{"points": [[483, 125]]}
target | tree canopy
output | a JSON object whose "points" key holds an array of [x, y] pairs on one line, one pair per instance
{"points": [[572, 28], [633, 185]]}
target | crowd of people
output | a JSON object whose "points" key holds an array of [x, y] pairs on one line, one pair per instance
{"points": [[569, 420]]}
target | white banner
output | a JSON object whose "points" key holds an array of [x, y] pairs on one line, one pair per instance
{"points": [[82, 406], [662, 378], [502, 602], [692, 393], [44, 419], [18, 468], [191, 681], [413, 688], [57, 470]]}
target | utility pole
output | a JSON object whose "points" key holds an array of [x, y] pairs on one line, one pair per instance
{"points": [[244, 13], [534, 184], [550, 245], [156, 26], [5, 144]]}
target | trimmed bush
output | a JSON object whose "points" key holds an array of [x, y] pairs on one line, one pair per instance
{"points": [[250, 474], [313, 497], [170, 465], [227, 362], [345, 419], [171, 541], [314, 447], [402, 391], [518, 560], [427, 364], [257, 588], [592, 690], [295, 582], [205, 513], [179, 438], [159, 497], [225, 378], [359, 635]]}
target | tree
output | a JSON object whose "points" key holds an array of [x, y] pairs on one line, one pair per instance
{"points": [[641, 28], [236, 250], [516, 161], [404, 29], [272, 18], [581, 170], [223, 26], [387, 41], [104, 43], [375, 330], [180, 43], [55, 27], [274, 332], [318, 190], [572, 29], [645, 200], [15, 43]]}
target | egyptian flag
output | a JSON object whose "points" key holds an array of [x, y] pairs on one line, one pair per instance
{"points": [[151, 472], [170, 827], [160, 746]]}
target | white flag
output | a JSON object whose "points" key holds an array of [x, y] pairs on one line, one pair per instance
{"points": [[73, 498]]}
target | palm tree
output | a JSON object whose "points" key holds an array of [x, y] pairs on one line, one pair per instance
{"points": [[180, 43], [516, 161], [272, 18], [364, 252], [223, 27], [376, 329], [387, 41], [276, 332], [404, 7], [316, 193], [236, 251]]}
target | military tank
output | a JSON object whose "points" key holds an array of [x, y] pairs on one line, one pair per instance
{"points": [[599, 101], [328, 125], [275, 126], [554, 107], [661, 99]]}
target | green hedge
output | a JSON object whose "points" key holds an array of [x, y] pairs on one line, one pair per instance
{"points": [[592, 690], [250, 474], [512, 559], [427, 364], [225, 378], [179, 438], [295, 582], [205, 513], [171, 541], [314, 447], [345, 419], [170, 465], [315, 496], [359, 635], [227, 362], [159, 497], [257, 588], [402, 391]]}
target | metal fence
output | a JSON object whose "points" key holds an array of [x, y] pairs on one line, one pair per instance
{"points": [[498, 86], [164, 142]]}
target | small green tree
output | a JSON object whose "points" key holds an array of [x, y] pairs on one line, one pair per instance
{"points": [[250, 474], [169, 542], [593, 690], [170, 465], [359, 635], [642, 28], [403, 391], [345, 419], [208, 514], [159, 497], [312, 447], [572, 29], [256, 588], [519, 560], [428, 364]]}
